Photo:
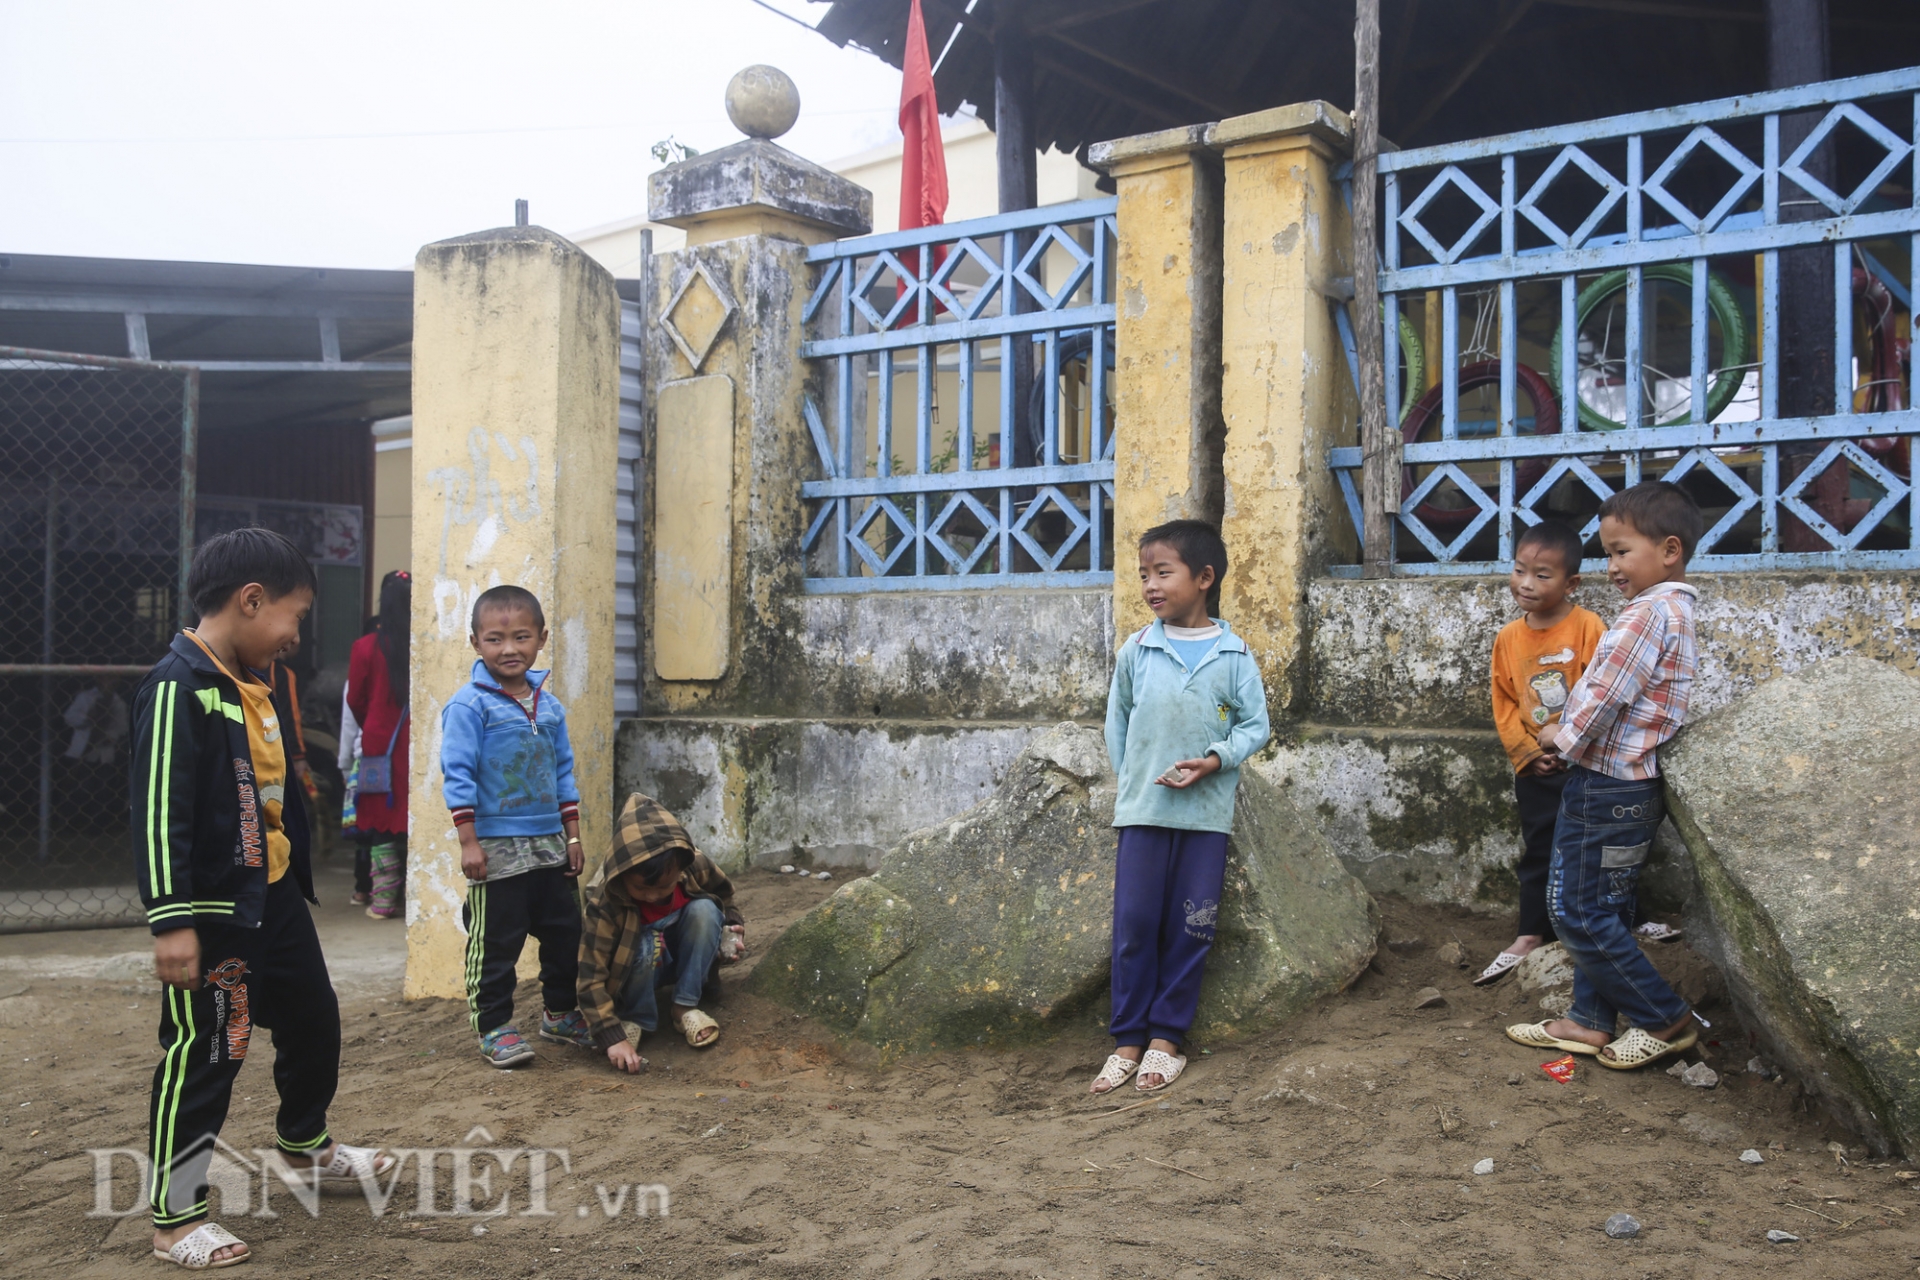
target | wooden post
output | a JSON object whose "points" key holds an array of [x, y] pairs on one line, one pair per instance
{"points": [[1379, 445]]}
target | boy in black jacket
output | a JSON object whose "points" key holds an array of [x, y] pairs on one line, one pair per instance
{"points": [[220, 852]]}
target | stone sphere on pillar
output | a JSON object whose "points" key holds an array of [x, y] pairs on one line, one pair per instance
{"points": [[763, 101]]}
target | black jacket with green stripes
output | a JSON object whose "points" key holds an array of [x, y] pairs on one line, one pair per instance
{"points": [[199, 840]]}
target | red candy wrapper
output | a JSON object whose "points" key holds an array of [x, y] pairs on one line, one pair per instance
{"points": [[1560, 1069]]}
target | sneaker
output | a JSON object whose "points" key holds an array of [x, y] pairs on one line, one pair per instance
{"points": [[1654, 931], [504, 1048], [566, 1028]]}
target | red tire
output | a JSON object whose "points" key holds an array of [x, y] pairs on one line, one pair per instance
{"points": [[1546, 421]]}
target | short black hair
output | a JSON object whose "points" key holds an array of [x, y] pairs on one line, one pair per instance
{"points": [[1556, 536], [1658, 510], [1197, 543], [228, 562], [657, 870], [509, 598]]}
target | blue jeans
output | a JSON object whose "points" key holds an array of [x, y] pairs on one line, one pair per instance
{"points": [[681, 949], [1600, 846]]}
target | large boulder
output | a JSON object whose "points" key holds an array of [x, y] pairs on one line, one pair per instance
{"points": [[1800, 804], [996, 927]]}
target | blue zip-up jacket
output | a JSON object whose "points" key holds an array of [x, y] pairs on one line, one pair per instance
{"points": [[1159, 712], [511, 769]]}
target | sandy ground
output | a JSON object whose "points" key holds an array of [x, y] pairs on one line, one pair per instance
{"points": [[1341, 1146]]}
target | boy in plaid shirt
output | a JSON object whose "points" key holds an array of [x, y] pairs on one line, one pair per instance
{"points": [[1632, 698]]}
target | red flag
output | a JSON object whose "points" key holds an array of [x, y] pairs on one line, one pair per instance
{"points": [[923, 157]]}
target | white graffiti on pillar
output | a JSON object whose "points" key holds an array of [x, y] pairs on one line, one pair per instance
{"points": [[473, 496]]}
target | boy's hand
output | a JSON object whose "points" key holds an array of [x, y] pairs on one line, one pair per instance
{"points": [[1185, 773], [1543, 766], [473, 861], [176, 958], [1550, 738], [733, 944], [625, 1057], [576, 853]]}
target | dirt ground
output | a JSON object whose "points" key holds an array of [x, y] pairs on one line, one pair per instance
{"points": [[1341, 1146]]}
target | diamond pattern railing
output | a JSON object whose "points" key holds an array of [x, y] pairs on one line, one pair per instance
{"points": [[1564, 242], [1001, 331]]}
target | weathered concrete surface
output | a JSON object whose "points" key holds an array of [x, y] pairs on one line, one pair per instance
{"points": [[1041, 655], [996, 926], [516, 341], [1409, 653], [1286, 395], [765, 790], [1801, 805], [1429, 814], [757, 187], [1167, 343]]}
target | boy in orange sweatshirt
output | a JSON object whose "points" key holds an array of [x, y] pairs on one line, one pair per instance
{"points": [[1536, 659]]}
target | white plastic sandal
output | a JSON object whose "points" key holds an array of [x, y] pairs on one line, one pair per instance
{"points": [[349, 1164], [1502, 963], [195, 1250], [1116, 1073], [1638, 1047], [1164, 1065]]}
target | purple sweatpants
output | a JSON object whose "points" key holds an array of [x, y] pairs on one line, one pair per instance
{"points": [[1166, 897]]}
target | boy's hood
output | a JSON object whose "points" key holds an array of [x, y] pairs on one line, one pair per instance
{"points": [[645, 830], [484, 678]]}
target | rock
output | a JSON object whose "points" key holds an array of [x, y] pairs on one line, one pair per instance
{"points": [[1782, 1237], [1755, 1067], [1677, 1070], [824, 875], [1801, 807], [1547, 970], [1404, 946], [1750, 1156], [1429, 998], [1622, 1226], [1701, 1076], [1454, 954], [1513, 1077], [786, 869], [1484, 1167], [996, 926]]}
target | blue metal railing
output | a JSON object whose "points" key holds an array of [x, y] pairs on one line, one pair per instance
{"points": [[1488, 224], [965, 310]]}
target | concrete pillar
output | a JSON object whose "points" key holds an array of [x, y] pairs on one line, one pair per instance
{"points": [[730, 443], [1286, 393], [1167, 343], [515, 416]]}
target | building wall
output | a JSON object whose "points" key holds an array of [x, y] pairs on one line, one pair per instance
{"points": [[392, 499]]}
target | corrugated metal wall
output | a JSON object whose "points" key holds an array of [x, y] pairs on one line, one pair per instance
{"points": [[626, 577]]}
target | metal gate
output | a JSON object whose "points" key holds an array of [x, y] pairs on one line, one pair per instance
{"points": [[96, 531]]}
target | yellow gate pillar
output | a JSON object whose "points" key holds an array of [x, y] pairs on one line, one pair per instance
{"points": [[1166, 343], [516, 373], [1286, 392]]}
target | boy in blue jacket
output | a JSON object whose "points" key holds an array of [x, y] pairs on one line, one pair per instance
{"points": [[508, 770], [1186, 708]]}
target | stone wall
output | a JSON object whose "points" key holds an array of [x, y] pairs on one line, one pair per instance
{"points": [[892, 712], [1396, 751]]}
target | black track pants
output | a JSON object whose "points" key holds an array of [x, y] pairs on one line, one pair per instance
{"points": [[499, 916], [273, 976]]}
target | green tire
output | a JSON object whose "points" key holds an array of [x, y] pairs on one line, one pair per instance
{"points": [[1721, 304]]}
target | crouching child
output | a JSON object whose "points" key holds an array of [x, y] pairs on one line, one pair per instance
{"points": [[659, 916]]}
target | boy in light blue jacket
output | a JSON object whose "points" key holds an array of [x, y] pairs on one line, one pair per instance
{"points": [[508, 770], [1186, 709]]}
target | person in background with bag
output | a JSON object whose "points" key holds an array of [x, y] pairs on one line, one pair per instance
{"points": [[377, 697]]}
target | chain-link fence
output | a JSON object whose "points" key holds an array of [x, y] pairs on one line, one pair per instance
{"points": [[96, 502]]}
